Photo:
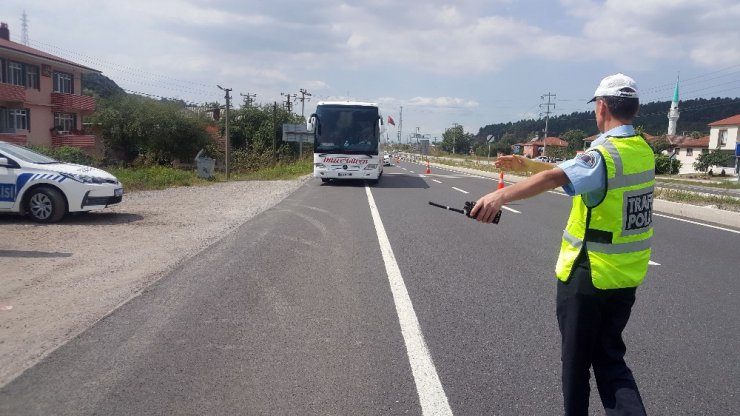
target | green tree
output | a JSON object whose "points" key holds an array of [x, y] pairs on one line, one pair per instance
{"points": [[719, 158], [455, 136], [575, 141], [154, 132]]}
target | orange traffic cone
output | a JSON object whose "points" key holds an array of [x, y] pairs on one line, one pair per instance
{"points": [[501, 180], [429, 170]]}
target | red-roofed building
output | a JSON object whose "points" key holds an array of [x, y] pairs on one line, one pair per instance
{"points": [[723, 134], [687, 149], [535, 147], [40, 100]]}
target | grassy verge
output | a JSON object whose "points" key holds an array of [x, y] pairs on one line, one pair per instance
{"points": [[160, 177], [710, 184], [721, 202]]}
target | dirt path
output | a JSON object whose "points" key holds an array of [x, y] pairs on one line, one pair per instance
{"points": [[57, 280]]}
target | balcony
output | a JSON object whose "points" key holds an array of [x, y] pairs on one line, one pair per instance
{"points": [[70, 103], [12, 93], [14, 138], [73, 140]]}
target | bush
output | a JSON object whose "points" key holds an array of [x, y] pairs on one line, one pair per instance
{"points": [[67, 154], [663, 165]]}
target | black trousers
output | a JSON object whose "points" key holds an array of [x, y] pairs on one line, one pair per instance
{"points": [[591, 322]]}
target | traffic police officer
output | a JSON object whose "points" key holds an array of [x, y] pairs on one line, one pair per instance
{"points": [[605, 248]]}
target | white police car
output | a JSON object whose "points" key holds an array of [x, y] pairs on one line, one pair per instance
{"points": [[46, 189]]}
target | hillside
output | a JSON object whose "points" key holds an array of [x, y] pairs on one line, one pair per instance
{"points": [[100, 85], [695, 115]]}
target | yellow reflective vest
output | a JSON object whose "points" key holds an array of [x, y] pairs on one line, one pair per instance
{"points": [[616, 231]]}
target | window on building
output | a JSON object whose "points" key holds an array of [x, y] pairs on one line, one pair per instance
{"points": [[722, 138], [63, 83], [13, 119], [65, 122], [15, 73], [32, 76], [689, 151]]}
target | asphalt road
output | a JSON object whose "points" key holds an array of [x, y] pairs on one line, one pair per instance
{"points": [[298, 312]]}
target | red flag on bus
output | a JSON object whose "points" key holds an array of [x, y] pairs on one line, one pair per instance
{"points": [[390, 121]]}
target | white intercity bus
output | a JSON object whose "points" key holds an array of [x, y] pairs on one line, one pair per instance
{"points": [[347, 140]]}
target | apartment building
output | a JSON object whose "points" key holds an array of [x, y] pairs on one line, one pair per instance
{"points": [[40, 97]]}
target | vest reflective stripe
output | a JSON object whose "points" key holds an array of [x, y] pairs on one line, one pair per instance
{"points": [[630, 180], [574, 241], [620, 248], [620, 226]]}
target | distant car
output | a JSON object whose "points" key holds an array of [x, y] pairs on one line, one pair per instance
{"points": [[542, 159], [386, 160], [47, 189]]}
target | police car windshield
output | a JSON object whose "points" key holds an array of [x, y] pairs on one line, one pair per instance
{"points": [[18, 152]]}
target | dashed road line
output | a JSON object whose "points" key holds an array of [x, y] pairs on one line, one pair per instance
{"points": [[460, 190], [510, 209]]}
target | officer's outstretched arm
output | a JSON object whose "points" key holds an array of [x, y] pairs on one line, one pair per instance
{"points": [[515, 163]]}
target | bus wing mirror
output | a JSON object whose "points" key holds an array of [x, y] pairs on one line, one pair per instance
{"points": [[311, 123], [381, 125]]}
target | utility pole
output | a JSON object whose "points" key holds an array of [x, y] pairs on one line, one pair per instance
{"points": [[274, 132], [454, 136], [547, 118], [400, 125], [305, 96], [228, 104], [288, 104], [248, 99], [303, 99]]}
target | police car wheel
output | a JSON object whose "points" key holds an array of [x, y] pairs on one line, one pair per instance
{"points": [[45, 204]]}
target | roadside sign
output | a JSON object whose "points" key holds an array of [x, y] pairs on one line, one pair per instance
{"points": [[296, 133], [424, 146], [490, 138]]}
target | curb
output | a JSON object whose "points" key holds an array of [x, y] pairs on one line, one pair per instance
{"points": [[697, 212]]}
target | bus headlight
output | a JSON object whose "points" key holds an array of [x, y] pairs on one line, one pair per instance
{"points": [[371, 167]]}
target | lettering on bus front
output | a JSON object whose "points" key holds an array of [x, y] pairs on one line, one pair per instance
{"points": [[345, 160]]}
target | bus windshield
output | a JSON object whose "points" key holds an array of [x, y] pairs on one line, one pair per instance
{"points": [[347, 129]]}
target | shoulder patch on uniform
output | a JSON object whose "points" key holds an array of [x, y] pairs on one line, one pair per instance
{"points": [[588, 158]]}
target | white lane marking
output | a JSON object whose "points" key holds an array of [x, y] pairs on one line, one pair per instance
{"points": [[422, 176], [652, 263], [510, 209], [460, 190], [404, 168], [436, 181], [431, 394], [412, 171], [697, 223]]}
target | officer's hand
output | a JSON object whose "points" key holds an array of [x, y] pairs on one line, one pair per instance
{"points": [[512, 163], [487, 207]]}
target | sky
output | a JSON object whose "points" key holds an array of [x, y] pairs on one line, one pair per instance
{"points": [[466, 62]]}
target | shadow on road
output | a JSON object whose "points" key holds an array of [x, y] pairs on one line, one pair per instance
{"points": [[78, 218], [33, 254]]}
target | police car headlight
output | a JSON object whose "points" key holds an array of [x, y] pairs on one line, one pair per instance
{"points": [[371, 167], [319, 165], [83, 178]]}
